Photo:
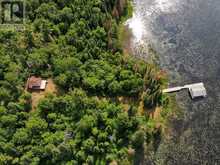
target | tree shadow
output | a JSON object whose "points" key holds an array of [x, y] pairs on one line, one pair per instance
{"points": [[139, 156], [157, 139]]}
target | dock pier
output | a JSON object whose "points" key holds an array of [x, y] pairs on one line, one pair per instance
{"points": [[196, 90]]}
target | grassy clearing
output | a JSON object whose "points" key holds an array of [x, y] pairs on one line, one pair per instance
{"points": [[36, 96]]}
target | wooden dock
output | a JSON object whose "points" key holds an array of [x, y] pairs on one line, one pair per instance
{"points": [[195, 90], [174, 89]]}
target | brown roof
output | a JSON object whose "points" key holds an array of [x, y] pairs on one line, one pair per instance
{"points": [[34, 82]]}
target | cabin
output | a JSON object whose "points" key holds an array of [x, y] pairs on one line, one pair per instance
{"points": [[197, 90], [36, 83]]}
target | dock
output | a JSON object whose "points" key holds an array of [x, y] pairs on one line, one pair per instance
{"points": [[196, 90], [174, 89]]}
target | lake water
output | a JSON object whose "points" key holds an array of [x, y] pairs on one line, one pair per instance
{"points": [[186, 35]]}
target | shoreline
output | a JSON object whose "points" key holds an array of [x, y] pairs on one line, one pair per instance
{"points": [[162, 116], [186, 116]]}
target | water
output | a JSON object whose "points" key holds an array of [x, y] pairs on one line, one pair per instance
{"points": [[186, 34]]}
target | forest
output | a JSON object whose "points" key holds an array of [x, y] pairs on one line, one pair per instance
{"points": [[75, 43]]}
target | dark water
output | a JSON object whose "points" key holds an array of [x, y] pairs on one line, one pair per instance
{"points": [[186, 34]]}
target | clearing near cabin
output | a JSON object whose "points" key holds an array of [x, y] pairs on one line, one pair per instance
{"points": [[38, 95]]}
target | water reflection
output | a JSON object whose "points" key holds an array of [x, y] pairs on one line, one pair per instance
{"points": [[136, 25]]}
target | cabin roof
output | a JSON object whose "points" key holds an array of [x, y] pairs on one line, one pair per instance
{"points": [[197, 90], [34, 82]]}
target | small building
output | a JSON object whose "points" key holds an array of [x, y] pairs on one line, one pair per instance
{"points": [[36, 83], [197, 90]]}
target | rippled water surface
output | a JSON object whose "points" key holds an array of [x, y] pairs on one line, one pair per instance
{"points": [[186, 34]]}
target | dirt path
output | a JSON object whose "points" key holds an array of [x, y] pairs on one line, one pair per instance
{"points": [[38, 95]]}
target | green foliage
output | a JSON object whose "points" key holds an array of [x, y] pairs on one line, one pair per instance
{"points": [[138, 139], [153, 95], [76, 43]]}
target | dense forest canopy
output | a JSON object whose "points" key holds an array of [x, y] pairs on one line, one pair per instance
{"points": [[74, 42]]}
